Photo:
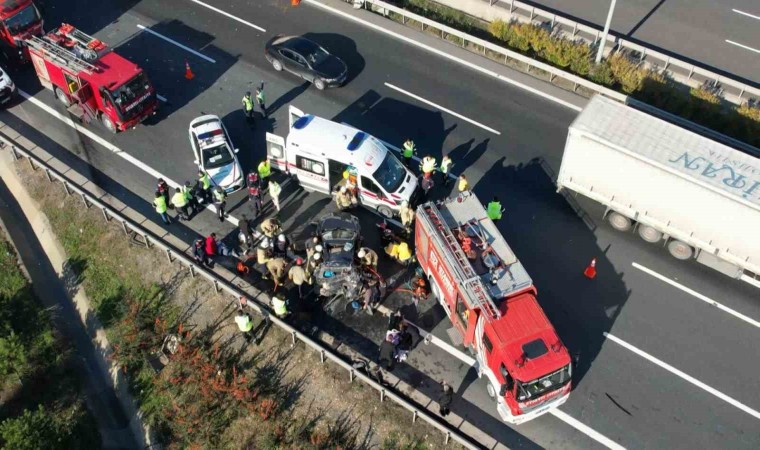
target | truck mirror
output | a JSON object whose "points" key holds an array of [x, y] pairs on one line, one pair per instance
{"points": [[504, 389]]}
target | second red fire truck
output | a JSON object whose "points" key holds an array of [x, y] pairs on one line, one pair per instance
{"points": [[491, 301], [91, 79], [19, 20]]}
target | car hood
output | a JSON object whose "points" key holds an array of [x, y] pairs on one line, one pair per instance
{"points": [[331, 68], [226, 176]]}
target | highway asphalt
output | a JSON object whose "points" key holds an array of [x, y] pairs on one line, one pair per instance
{"points": [[511, 150], [696, 30]]}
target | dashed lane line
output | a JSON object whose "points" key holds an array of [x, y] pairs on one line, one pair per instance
{"points": [[696, 294], [683, 375], [585, 429], [435, 105], [224, 13], [172, 41], [746, 14], [743, 46]]}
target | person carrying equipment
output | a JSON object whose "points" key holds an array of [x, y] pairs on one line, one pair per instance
{"points": [[494, 209]]}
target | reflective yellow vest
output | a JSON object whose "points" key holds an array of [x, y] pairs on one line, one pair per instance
{"points": [[247, 103], [494, 210], [160, 203], [244, 322], [179, 200], [264, 169], [280, 307], [205, 181]]}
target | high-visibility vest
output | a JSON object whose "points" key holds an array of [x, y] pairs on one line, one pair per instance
{"points": [[160, 203], [179, 200], [264, 169], [462, 185], [494, 210], [445, 164], [280, 307], [408, 149], [205, 181], [247, 103], [428, 164], [219, 195], [244, 322], [274, 189], [403, 251], [260, 97], [186, 191]]}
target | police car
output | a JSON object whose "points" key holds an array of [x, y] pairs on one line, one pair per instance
{"points": [[215, 154]]}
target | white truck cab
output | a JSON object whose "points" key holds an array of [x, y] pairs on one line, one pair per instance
{"points": [[317, 151]]}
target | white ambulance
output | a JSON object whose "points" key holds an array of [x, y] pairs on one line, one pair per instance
{"points": [[317, 151]]}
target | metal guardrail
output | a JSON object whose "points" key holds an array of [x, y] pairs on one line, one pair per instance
{"points": [[734, 91], [220, 283]]}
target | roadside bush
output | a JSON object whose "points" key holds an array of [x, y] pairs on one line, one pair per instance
{"points": [[602, 74], [500, 29], [626, 72], [568, 54]]}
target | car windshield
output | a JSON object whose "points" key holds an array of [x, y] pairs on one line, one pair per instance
{"points": [[130, 94], [543, 385], [390, 174], [22, 20], [216, 156], [338, 233]]}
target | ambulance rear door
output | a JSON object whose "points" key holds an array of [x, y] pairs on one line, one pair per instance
{"points": [[276, 152]]}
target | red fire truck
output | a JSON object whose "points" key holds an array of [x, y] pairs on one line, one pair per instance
{"points": [[491, 301], [91, 79], [19, 20]]}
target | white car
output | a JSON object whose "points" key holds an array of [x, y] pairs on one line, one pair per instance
{"points": [[7, 88], [215, 154]]}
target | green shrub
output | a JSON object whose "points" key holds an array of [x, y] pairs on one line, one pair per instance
{"points": [[602, 74], [519, 37], [749, 111], [626, 72], [500, 29]]}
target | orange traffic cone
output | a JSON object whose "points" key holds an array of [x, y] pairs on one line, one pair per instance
{"points": [[188, 73], [295, 2], [590, 271]]}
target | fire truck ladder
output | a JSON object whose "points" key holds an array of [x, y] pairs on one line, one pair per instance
{"points": [[472, 284], [82, 38], [60, 55]]}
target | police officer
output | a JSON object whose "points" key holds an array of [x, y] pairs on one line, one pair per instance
{"points": [[408, 152], [494, 209], [446, 165], [188, 190], [264, 170], [160, 203], [248, 108], [220, 201], [261, 100], [180, 202], [204, 183]]}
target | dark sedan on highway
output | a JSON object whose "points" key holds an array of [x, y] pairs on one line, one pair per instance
{"points": [[307, 59]]}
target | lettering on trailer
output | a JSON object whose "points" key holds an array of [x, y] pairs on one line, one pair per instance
{"points": [[136, 102], [727, 173], [442, 275]]}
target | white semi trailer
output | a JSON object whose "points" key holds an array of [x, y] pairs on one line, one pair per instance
{"points": [[670, 183]]}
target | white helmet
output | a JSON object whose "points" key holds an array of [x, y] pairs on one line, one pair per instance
{"points": [[264, 243], [281, 238], [361, 253], [317, 256], [404, 204], [342, 189], [317, 248]]}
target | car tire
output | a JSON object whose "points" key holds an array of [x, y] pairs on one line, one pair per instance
{"points": [[63, 98], [319, 84], [277, 65], [108, 123], [385, 212]]}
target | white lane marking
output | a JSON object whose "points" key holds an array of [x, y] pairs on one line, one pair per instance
{"points": [[743, 46], [447, 56], [588, 431], [116, 150], [748, 279], [683, 375], [746, 14], [172, 41], [696, 294], [162, 98], [455, 114], [213, 8]]}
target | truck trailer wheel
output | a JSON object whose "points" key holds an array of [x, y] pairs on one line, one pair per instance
{"points": [[649, 234], [63, 98], [619, 221], [680, 250], [108, 123]]}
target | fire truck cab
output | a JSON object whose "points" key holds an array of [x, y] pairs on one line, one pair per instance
{"points": [[19, 20], [491, 301], [91, 79]]}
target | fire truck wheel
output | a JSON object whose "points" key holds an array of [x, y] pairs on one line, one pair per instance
{"points": [[491, 390], [277, 65], [63, 98], [108, 123], [385, 212]]}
